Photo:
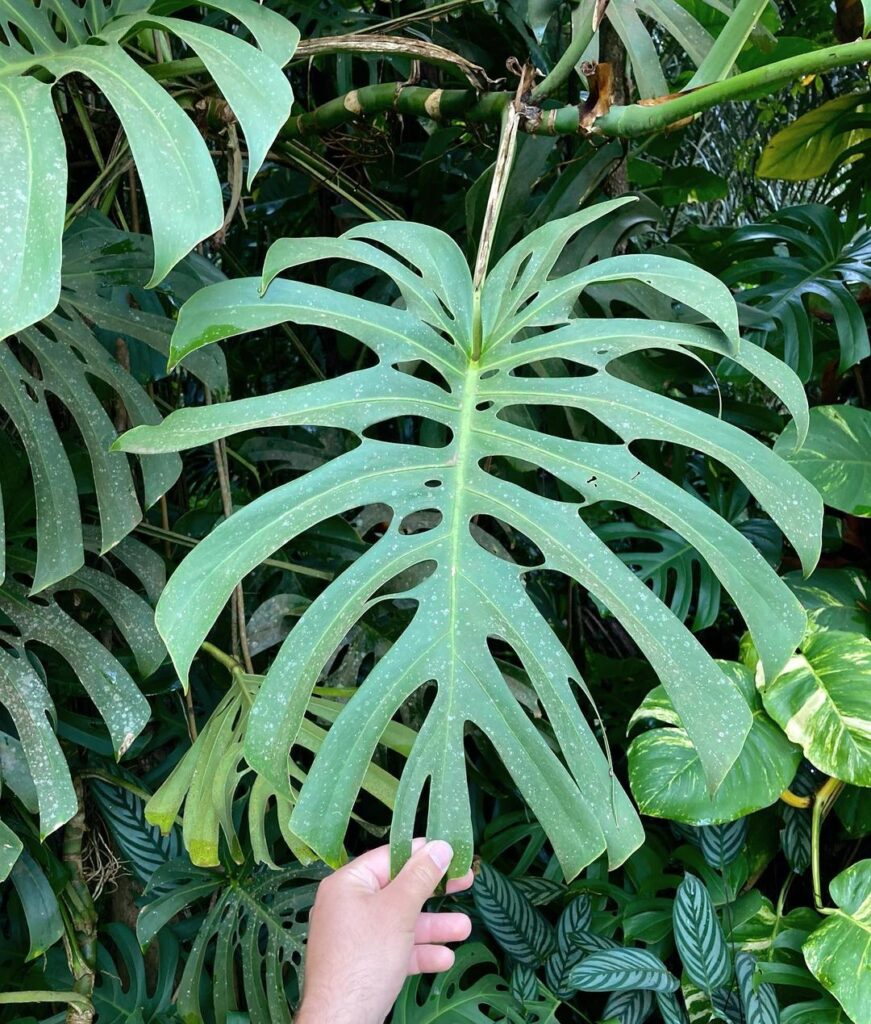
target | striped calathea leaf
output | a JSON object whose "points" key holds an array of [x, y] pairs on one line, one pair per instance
{"points": [[519, 928], [623, 970], [758, 998], [479, 365], [575, 920], [722, 844], [628, 1007], [699, 937]]}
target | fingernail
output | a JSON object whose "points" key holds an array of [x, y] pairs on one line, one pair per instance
{"points": [[440, 853]]}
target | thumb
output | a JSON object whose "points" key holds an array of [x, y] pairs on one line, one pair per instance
{"points": [[417, 880]]}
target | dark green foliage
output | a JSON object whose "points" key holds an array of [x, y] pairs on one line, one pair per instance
{"points": [[125, 988], [704, 908]]}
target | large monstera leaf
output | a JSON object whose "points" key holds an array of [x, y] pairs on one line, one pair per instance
{"points": [[465, 592], [177, 173]]}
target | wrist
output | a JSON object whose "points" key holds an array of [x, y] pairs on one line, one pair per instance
{"points": [[325, 1011]]}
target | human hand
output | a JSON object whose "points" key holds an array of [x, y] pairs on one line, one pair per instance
{"points": [[367, 934]]}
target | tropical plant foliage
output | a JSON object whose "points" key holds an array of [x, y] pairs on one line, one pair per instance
{"points": [[385, 453]]}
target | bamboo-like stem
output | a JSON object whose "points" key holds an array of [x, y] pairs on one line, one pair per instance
{"points": [[629, 121]]}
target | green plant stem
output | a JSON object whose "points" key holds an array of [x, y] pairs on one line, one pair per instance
{"points": [[730, 42], [824, 801], [330, 177], [85, 122], [792, 800], [620, 122], [240, 630], [778, 913], [113, 169], [115, 780], [43, 996], [222, 657], [561, 71]]}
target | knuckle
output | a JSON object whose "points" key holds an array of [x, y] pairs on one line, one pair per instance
{"points": [[421, 874]]}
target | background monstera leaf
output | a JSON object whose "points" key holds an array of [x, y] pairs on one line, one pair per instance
{"points": [[59, 372], [68, 657], [208, 776], [468, 598], [177, 174], [255, 929], [803, 261]]}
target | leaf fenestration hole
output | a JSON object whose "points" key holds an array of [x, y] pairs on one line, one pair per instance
{"points": [[503, 541], [553, 368], [419, 431], [404, 582], [422, 370], [531, 478], [421, 521]]}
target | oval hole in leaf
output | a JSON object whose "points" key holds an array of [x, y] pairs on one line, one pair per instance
{"points": [[422, 521], [553, 368], [419, 431], [531, 478], [505, 542]]}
